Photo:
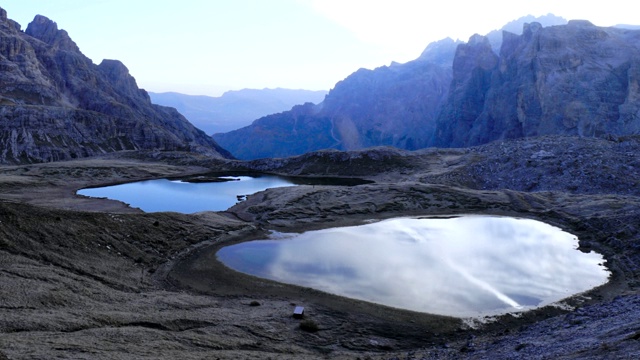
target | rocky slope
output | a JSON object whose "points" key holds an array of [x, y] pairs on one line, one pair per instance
{"points": [[234, 109], [55, 104]]}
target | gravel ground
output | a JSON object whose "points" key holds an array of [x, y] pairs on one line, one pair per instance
{"points": [[92, 278]]}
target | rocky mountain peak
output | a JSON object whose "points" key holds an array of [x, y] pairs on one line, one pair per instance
{"points": [[475, 53], [528, 29], [114, 68], [5, 21], [477, 39], [56, 104], [46, 30], [118, 75]]}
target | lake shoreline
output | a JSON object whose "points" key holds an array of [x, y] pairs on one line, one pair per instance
{"points": [[470, 266]]}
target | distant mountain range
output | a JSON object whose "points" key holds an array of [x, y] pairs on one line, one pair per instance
{"points": [[573, 79], [235, 109], [56, 104]]}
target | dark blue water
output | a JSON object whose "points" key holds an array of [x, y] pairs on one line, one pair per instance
{"points": [[465, 266], [186, 197]]}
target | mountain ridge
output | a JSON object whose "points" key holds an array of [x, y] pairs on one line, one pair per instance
{"points": [[481, 96]]}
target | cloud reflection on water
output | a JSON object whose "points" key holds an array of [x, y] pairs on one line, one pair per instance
{"points": [[462, 266]]}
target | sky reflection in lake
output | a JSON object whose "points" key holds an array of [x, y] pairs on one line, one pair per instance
{"points": [[186, 197], [466, 266]]}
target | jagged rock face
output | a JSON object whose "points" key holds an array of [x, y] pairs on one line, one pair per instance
{"points": [[47, 31], [55, 104], [576, 79], [390, 106], [472, 69]]}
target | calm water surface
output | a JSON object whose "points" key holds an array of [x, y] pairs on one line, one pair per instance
{"points": [[464, 266], [186, 197]]}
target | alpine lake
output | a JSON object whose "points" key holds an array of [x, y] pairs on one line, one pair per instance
{"points": [[203, 192], [462, 266]]}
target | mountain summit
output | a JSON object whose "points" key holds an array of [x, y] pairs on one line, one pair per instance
{"points": [[56, 104]]}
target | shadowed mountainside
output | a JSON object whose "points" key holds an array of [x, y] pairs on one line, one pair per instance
{"points": [[392, 105], [55, 104], [577, 79]]}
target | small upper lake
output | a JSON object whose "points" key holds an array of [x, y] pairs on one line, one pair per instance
{"points": [[201, 193], [463, 266]]}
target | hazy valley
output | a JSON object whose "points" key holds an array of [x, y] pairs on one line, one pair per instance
{"points": [[235, 109]]}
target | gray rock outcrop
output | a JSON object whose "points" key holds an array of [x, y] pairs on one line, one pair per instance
{"points": [[56, 104], [577, 79], [472, 68]]}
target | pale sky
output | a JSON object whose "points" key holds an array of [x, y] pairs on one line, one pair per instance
{"points": [[205, 47]]}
